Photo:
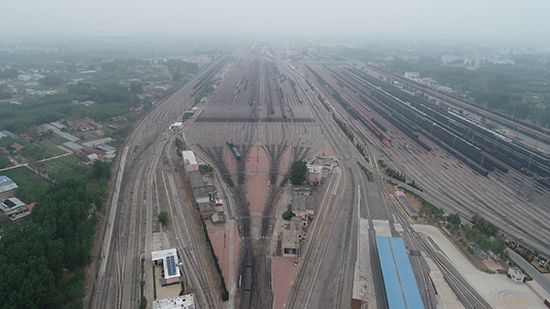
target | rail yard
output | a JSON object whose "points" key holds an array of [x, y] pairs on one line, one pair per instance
{"points": [[264, 114]]}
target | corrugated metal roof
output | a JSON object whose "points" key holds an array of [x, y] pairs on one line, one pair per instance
{"points": [[6, 184], [389, 272], [399, 281], [406, 274]]}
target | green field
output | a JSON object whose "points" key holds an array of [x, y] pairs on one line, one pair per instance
{"points": [[62, 163], [20, 171], [51, 149], [23, 172]]}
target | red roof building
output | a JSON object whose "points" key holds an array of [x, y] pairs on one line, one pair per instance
{"points": [[30, 206]]}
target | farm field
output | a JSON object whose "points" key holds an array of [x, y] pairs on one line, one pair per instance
{"points": [[62, 163]]}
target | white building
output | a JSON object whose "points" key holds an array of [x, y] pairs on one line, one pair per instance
{"points": [[176, 125], [187, 301], [189, 160], [412, 74], [169, 258], [515, 274]]}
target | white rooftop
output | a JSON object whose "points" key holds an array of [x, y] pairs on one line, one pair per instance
{"points": [[186, 301], [189, 157], [312, 168], [166, 256]]}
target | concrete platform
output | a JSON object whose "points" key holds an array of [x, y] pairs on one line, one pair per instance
{"points": [[498, 290]]}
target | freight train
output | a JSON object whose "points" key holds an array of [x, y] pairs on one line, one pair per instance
{"points": [[467, 137], [353, 111]]}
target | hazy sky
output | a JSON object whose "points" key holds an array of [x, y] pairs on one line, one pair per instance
{"points": [[452, 19]]}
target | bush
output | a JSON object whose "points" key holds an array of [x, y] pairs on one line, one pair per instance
{"points": [[287, 215], [163, 217]]}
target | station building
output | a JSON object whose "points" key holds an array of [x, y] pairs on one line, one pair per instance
{"points": [[515, 274], [171, 271]]}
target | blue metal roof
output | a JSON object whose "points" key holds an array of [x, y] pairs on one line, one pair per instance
{"points": [[406, 274], [6, 184], [399, 281], [389, 272]]}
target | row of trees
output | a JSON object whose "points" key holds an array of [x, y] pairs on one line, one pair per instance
{"points": [[34, 255], [298, 172], [113, 100]]}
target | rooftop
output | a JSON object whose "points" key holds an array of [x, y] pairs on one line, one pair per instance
{"points": [[289, 239], [6, 184], [323, 161], [170, 262], [180, 302], [301, 203], [195, 178], [13, 203], [399, 280], [313, 168], [189, 157]]}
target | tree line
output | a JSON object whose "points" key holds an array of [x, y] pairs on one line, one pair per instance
{"points": [[41, 260]]}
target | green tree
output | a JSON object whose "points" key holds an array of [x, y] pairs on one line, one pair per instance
{"points": [[51, 80], [205, 168], [176, 76], [287, 215], [101, 170], [136, 87], [454, 218], [143, 303], [5, 95], [4, 160], [298, 172], [109, 66], [163, 217], [71, 68]]}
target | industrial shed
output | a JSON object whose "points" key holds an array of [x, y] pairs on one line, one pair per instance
{"points": [[399, 281]]}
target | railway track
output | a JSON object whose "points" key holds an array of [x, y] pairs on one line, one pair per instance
{"points": [[119, 286]]}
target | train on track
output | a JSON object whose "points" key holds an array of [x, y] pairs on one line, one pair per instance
{"points": [[234, 149], [354, 111], [470, 142]]}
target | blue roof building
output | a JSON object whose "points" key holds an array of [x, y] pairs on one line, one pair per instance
{"points": [[399, 281], [6, 184]]}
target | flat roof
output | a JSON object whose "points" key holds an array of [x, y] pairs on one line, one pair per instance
{"points": [[313, 168], [73, 145], [302, 202], [289, 239], [97, 142], [170, 262], [13, 203], [399, 281], [186, 301], [189, 157], [195, 178], [323, 161]]}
